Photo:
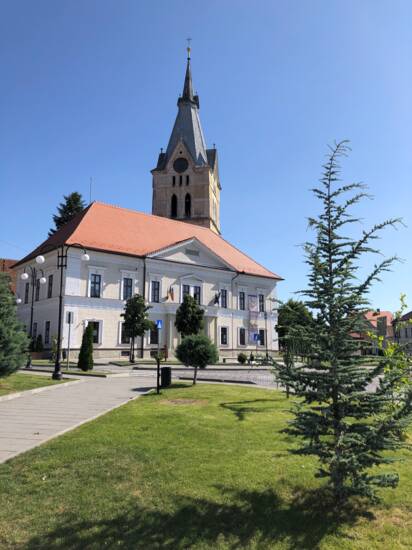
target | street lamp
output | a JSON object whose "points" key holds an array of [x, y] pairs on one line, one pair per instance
{"points": [[32, 274], [62, 264]]}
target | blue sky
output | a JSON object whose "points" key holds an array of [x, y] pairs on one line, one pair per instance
{"points": [[89, 88]]}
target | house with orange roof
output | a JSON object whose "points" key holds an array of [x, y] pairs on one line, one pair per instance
{"points": [[106, 254]]}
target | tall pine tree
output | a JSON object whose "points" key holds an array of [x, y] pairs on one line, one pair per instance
{"points": [[348, 428], [72, 205], [14, 343]]}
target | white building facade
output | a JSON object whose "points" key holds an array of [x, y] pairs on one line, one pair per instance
{"points": [[240, 309]]}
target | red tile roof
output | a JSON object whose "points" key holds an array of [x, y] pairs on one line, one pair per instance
{"points": [[374, 315], [6, 267], [122, 231]]}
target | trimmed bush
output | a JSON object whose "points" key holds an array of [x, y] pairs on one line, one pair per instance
{"points": [[197, 351], [242, 358], [85, 361]]}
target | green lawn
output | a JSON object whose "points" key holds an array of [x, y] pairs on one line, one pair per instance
{"points": [[20, 382], [204, 467]]}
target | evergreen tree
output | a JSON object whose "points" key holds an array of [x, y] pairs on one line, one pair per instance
{"points": [[136, 320], [85, 361], [291, 314], [67, 210], [13, 340], [338, 420], [197, 351], [189, 317], [39, 343]]}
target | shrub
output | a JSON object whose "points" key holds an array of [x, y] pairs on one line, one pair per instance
{"points": [[197, 351], [242, 358], [85, 361], [39, 343]]}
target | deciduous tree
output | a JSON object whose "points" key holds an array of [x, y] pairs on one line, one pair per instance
{"points": [[136, 320], [197, 351], [189, 317]]}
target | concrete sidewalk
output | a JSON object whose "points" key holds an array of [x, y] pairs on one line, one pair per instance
{"points": [[29, 420]]}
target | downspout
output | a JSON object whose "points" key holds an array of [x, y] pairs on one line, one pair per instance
{"points": [[231, 286], [144, 297]]}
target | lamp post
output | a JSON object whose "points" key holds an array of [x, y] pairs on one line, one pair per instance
{"points": [[31, 273], [61, 265]]}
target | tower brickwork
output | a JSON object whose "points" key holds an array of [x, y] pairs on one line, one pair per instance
{"points": [[186, 183]]}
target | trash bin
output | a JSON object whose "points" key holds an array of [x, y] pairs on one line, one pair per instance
{"points": [[166, 377]]}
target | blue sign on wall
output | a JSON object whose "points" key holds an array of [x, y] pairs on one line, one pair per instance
{"points": [[256, 337], [159, 324]]}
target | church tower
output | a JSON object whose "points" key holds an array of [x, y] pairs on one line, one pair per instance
{"points": [[186, 184]]}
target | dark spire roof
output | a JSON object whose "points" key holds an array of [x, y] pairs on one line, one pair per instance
{"points": [[188, 86], [187, 127]]}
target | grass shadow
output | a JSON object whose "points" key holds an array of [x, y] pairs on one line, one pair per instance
{"points": [[242, 408], [238, 518]]}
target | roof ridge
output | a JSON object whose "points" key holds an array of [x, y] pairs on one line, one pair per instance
{"points": [[152, 215]]}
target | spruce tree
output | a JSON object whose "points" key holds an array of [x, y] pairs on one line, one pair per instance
{"points": [[189, 317], [67, 210], [13, 340], [85, 361], [348, 428]]}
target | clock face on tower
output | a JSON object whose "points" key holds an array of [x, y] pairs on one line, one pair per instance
{"points": [[180, 165]]}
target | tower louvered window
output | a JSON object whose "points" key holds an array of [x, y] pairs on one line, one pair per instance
{"points": [[173, 207]]}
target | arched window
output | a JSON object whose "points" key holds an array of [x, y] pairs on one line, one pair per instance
{"points": [[173, 209], [188, 205]]}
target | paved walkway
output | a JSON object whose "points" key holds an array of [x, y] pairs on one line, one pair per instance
{"points": [[29, 420]]}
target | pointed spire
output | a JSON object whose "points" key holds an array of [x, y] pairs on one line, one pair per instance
{"points": [[188, 86], [188, 95]]}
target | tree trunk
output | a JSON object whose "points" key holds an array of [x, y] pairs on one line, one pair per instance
{"points": [[194, 375], [132, 351]]}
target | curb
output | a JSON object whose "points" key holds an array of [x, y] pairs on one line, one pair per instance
{"points": [[219, 380], [80, 374], [14, 395]]}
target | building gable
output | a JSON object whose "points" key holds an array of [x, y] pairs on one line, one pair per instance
{"points": [[192, 252]]}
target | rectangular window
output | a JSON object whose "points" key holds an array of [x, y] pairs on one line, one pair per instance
{"points": [[186, 290], [95, 285], [47, 333], [223, 336], [180, 181], [196, 294], [34, 335], [37, 294], [124, 337], [26, 293], [187, 179], [261, 302], [96, 330], [127, 288], [50, 286], [242, 336], [154, 336], [242, 300], [156, 291], [262, 337], [223, 298], [174, 181]]}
